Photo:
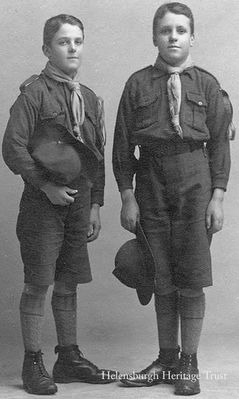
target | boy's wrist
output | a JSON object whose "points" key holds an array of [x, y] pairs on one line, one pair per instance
{"points": [[95, 206], [45, 186], [218, 194], [127, 195]]}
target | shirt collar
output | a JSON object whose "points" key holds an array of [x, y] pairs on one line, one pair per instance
{"points": [[158, 73]]}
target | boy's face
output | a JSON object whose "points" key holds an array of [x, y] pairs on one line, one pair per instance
{"points": [[66, 49], [173, 38]]}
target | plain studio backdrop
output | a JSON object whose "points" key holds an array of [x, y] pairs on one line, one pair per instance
{"points": [[118, 41]]}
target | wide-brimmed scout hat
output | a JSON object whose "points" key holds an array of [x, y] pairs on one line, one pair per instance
{"points": [[135, 267], [64, 160]]}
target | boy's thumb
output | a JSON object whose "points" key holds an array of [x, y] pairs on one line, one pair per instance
{"points": [[208, 221], [71, 190]]}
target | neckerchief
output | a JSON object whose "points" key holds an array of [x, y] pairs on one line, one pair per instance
{"points": [[174, 88], [77, 100]]}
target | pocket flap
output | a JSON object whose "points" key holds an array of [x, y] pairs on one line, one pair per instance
{"points": [[57, 116], [197, 98], [144, 101]]}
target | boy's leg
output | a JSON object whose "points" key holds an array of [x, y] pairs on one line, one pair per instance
{"points": [[191, 309], [32, 314], [36, 380], [71, 365], [160, 371], [166, 307], [64, 307]]}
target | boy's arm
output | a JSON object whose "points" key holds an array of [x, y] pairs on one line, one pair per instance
{"points": [[214, 213], [125, 163], [97, 200], [218, 145], [97, 190], [130, 214], [219, 158], [20, 127]]}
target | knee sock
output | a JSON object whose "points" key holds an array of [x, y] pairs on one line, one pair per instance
{"points": [[167, 320], [192, 311], [64, 311], [32, 315]]}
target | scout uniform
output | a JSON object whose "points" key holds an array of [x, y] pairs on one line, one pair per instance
{"points": [[174, 176], [50, 234]]}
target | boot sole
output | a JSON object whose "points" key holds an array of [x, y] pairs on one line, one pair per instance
{"points": [[187, 393], [28, 389], [133, 384], [68, 380]]}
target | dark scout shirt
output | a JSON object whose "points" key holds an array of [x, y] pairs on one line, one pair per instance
{"points": [[143, 119]]}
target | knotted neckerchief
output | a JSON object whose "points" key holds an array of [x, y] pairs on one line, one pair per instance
{"points": [[77, 101], [174, 89]]}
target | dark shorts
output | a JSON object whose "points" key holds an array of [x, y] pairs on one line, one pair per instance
{"points": [[53, 238], [173, 192]]}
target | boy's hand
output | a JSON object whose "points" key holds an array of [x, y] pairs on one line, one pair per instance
{"points": [[59, 195], [130, 211], [95, 224], [214, 214]]}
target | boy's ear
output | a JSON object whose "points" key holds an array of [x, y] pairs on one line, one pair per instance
{"points": [[46, 50], [192, 39], [154, 41]]}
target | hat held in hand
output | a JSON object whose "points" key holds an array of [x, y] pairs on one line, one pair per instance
{"points": [[135, 267]]}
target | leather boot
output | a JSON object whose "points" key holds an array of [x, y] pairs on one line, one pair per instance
{"points": [[72, 366], [187, 382], [36, 379], [160, 371]]}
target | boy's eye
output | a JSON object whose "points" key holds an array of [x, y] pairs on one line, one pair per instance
{"points": [[63, 42], [181, 30], [165, 31], [66, 42], [79, 42]]}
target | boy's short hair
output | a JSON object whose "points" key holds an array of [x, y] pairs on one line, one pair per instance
{"points": [[175, 8], [53, 24]]}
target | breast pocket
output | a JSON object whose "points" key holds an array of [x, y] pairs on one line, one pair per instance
{"points": [[52, 116], [196, 110], [146, 112]]}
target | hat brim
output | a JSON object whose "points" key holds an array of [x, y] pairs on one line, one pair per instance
{"points": [[146, 288], [135, 267]]}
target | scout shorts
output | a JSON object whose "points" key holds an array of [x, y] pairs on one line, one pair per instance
{"points": [[173, 191], [53, 238]]}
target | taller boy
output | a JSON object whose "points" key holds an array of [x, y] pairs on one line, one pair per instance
{"points": [[57, 217], [174, 112]]}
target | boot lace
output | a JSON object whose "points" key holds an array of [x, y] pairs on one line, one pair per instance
{"points": [[38, 361]]}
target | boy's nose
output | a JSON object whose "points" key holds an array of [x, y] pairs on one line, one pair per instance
{"points": [[173, 36], [72, 47]]}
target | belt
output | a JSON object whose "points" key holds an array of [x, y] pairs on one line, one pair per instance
{"points": [[169, 148]]}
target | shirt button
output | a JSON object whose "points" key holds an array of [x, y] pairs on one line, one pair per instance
{"points": [[199, 102], [54, 113]]}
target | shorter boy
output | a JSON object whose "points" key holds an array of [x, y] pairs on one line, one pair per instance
{"points": [[57, 217]]}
